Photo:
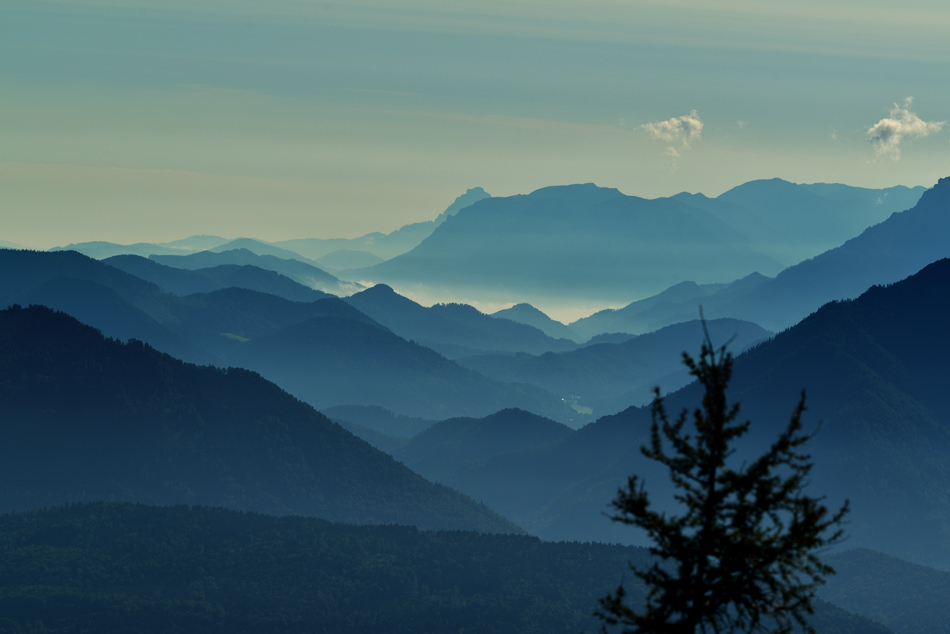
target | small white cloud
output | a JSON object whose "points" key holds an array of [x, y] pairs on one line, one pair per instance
{"points": [[886, 135], [742, 124], [679, 132], [834, 134]]}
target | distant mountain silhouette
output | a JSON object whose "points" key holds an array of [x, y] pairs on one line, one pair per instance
{"points": [[87, 418], [454, 330], [610, 377], [580, 241], [531, 316], [876, 374], [900, 246], [100, 250], [186, 282], [675, 305], [381, 245], [791, 222], [297, 270]]}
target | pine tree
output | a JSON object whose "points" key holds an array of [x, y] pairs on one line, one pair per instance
{"points": [[743, 555]]}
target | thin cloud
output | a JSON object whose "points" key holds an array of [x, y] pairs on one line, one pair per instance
{"points": [[679, 132], [886, 135]]}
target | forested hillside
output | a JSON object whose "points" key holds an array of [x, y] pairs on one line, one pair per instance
{"points": [[88, 418], [118, 568]]}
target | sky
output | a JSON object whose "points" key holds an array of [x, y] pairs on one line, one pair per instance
{"points": [[148, 121]]}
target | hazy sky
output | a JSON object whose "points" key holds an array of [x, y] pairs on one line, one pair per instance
{"points": [[151, 120]]}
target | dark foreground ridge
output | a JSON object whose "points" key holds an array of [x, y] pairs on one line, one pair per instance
{"points": [[120, 568]]}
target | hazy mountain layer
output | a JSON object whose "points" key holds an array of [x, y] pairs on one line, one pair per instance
{"points": [[610, 377], [329, 361], [791, 222], [185, 281], [88, 418], [580, 241], [677, 304], [887, 252], [381, 245], [455, 330], [297, 270]]}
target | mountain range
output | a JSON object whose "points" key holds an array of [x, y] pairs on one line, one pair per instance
{"points": [[597, 245]]}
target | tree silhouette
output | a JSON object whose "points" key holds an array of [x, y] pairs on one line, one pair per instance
{"points": [[742, 557]]}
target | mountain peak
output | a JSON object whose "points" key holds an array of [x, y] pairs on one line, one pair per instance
{"points": [[470, 197]]}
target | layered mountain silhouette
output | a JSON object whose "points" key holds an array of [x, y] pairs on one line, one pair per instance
{"points": [[186, 281], [610, 377], [364, 362], [791, 222], [885, 253], [875, 372], [455, 330], [527, 314], [295, 269], [89, 418], [583, 241]]}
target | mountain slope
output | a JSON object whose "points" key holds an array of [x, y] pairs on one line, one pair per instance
{"points": [[89, 418]]}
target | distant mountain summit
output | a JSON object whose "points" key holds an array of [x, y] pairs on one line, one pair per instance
{"points": [[470, 197]]}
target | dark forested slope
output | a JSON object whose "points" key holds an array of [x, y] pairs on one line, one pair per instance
{"points": [[122, 568], [88, 418]]}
